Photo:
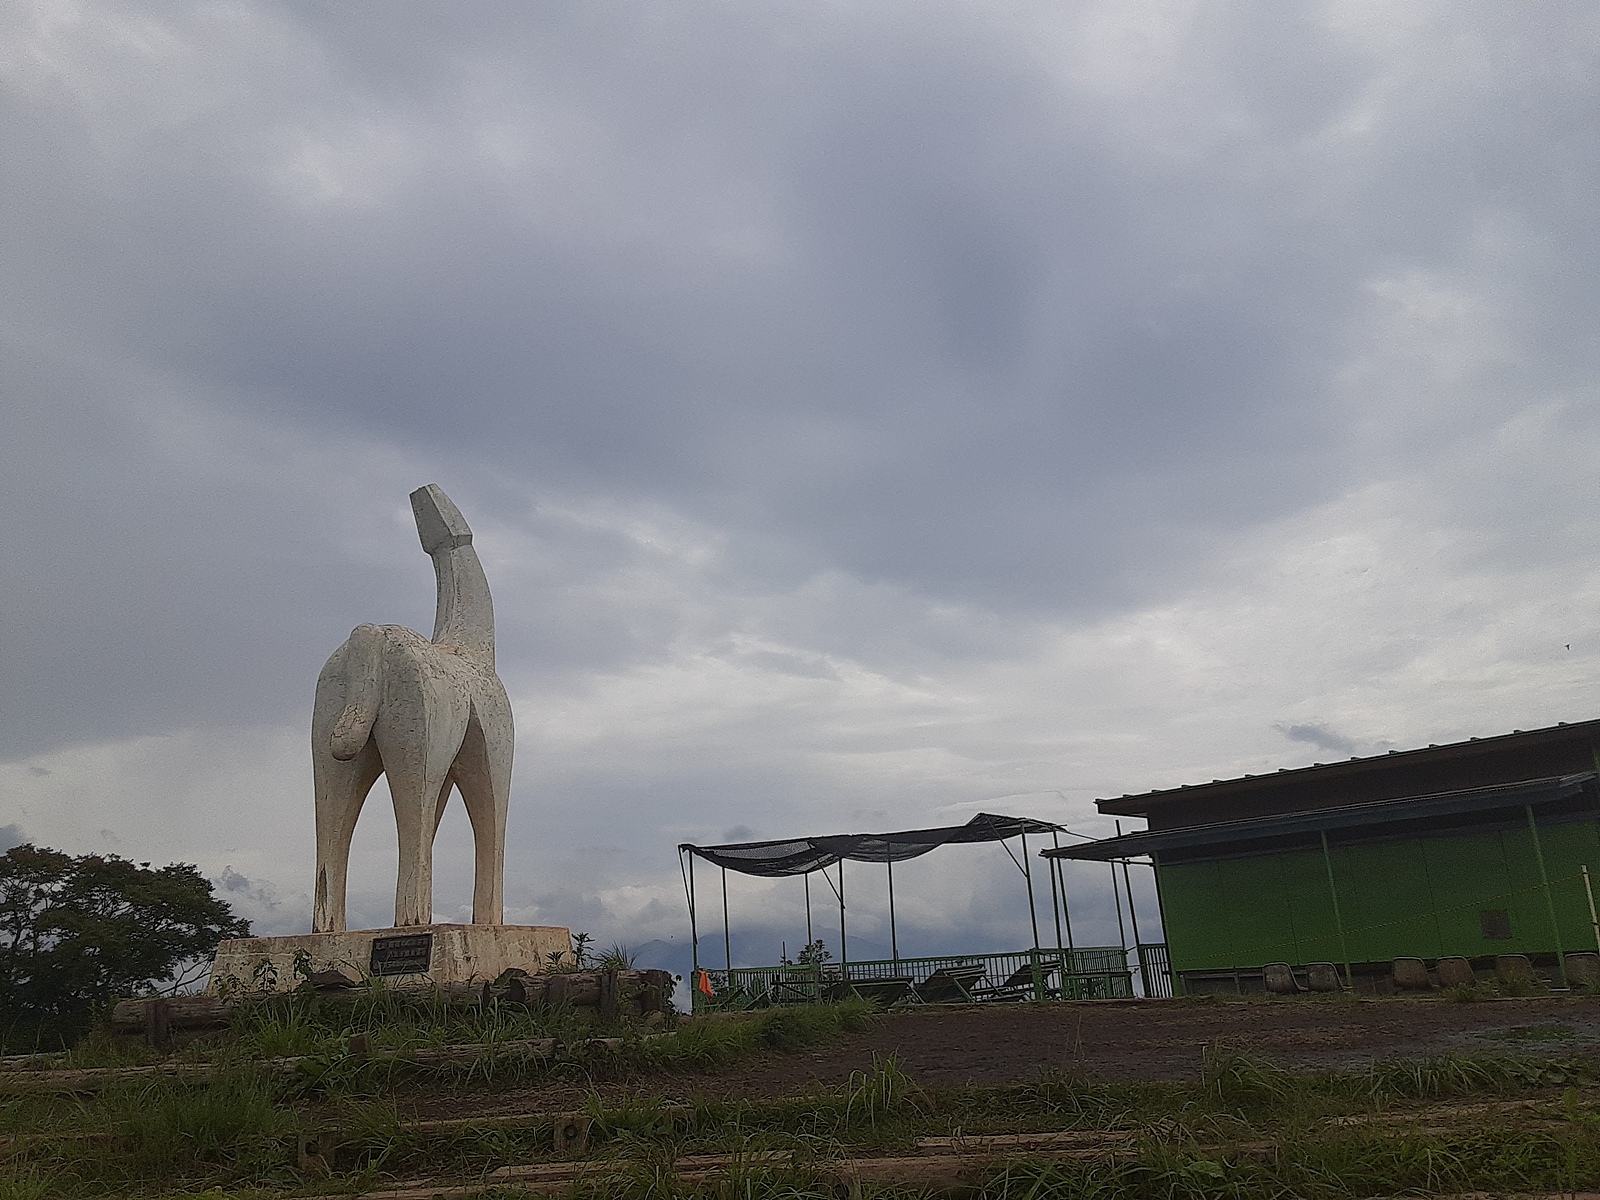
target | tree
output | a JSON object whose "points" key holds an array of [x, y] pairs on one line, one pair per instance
{"points": [[77, 932]]}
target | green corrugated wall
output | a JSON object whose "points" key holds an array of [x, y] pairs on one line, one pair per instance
{"points": [[1398, 899]]}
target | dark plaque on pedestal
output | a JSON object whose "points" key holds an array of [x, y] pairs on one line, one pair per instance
{"points": [[403, 954]]}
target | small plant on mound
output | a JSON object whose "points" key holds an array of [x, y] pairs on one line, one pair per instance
{"points": [[580, 950], [882, 1090]]}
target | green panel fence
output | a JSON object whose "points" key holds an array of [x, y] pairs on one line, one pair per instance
{"points": [[1086, 973]]}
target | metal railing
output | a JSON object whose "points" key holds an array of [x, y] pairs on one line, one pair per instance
{"points": [[1155, 969], [1086, 973]]}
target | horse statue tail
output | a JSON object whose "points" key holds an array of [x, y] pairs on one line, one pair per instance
{"points": [[363, 689]]}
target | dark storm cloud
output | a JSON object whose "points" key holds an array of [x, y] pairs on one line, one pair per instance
{"points": [[886, 290], [1317, 735]]}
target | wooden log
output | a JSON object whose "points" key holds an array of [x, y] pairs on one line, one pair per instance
{"points": [[634, 992], [522, 988], [178, 1012], [581, 989]]}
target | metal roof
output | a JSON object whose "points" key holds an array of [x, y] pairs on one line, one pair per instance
{"points": [[1352, 816], [1140, 804], [797, 856]]}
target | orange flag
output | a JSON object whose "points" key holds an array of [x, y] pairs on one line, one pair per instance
{"points": [[705, 984]]}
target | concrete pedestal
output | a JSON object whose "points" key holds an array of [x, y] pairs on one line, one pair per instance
{"points": [[417, 955]]}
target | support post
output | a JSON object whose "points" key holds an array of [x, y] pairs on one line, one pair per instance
{"points": [[844, 951], [1593, 919], [1066, 914], [1116, 895], [694, 943], [727, 935], [1027, 874], [1549, 900], [1133, 918], [1033, 919], [1055, 914], [894, 941], [1338, 918], [1122, 935], [810, 941]]}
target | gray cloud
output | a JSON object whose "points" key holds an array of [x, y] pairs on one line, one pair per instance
{"points": [[10, 836], [862, 410], [1318, 735]]}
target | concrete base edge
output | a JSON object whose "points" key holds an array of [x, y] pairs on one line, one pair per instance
{"points": [[414, 956]]}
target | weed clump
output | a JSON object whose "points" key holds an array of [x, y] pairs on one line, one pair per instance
{"points": [[883, 1090], [173, 1129], [807, 1024]]}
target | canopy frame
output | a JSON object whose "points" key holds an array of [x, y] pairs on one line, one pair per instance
{"points": [[784, 857]]}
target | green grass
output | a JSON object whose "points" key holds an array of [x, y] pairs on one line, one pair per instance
{"points": [[1381, 1130]]}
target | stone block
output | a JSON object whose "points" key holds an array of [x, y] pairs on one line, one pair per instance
{"points": [[1411, 975], [1323, 977], [415, 956], [1455, 972], [1279, 978], [571, 1133], [1583, 969]]}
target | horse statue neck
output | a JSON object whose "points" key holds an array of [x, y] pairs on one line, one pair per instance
{"points": [[464, 617]]}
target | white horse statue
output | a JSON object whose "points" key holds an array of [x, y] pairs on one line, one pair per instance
{"points": [[430, 716]]}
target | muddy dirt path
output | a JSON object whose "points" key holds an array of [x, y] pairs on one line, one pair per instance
{"points": [[1140, 1040]]}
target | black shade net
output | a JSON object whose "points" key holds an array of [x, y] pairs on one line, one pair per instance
{"points": [[796, 856]]}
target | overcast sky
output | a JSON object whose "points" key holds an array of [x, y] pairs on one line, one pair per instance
{"points": [[869, 414]]}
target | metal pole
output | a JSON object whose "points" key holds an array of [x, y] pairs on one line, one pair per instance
{"points": [[694, 943], [894, 942], [1122, 936], [1593, 920], [1338, 919], [694, 932], [844, 951], [1055, 910], [1033, 912], [1549, 900], [1116, 894], [1033, 919], [727, 936], [1133, 916], [1066, 914], [807, 878]]}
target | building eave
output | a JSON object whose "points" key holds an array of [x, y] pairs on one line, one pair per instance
{"points": [[1143, 804]]}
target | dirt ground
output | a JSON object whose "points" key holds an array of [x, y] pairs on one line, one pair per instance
{"points": [[1110, 1041]]}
